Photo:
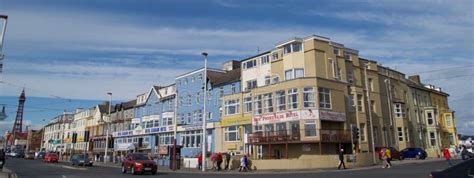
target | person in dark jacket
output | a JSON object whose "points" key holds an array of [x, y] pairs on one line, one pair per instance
{"points": [[341, 160], [2, 158], [465, 154]]}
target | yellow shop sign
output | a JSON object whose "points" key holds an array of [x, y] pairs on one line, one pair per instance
{"points": [[245, 120]]}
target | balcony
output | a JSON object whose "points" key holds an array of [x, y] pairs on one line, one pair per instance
{"points": [[320, 135]]}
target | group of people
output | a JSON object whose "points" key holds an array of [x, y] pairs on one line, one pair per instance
{"points": [[465, 154], [386, 156], [218, 158]]}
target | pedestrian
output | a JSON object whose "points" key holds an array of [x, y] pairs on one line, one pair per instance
{"points": [[447, 156], [243, 164], [341, 159], [226, 161], [388, 152], [465, 154], [214, 161], [200, 161], [2, 158], [219, 161], [384, 157]]}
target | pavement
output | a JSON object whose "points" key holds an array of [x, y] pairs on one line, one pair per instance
{"points": [[406, 169]]}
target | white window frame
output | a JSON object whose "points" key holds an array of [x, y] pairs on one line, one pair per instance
{"points": [[257, 102], [292, 98], [275, 56], [248, 104], [400, 134], [232, 130], [265, 59], [232, 104], [324, 98], [268, 103], [280, 97], [309, 98], [312, 133]]}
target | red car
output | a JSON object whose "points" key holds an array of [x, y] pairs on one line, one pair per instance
{"points": [[51, 158], [138, 163]]}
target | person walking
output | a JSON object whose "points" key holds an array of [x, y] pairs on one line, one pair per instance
{"points": [[447, 156], [388, 152], [219, 161], [243, 164], [341, 159], [200, 161], [2, 158], [227, 161], [384, 157]]}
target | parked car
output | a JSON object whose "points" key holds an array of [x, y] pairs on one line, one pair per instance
{"points": [[463, 169], [30, 155], [395, 153], [417, 153], [40, 155], [17, 154], [51, 158], [138, 163], [81, 160]]}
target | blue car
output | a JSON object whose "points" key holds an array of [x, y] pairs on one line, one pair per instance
{"points": [[417, 153]]}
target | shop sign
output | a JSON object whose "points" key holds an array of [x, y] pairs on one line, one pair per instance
{"points": [[196, 126], [138, 130], [332, 116], [236, 121], [163, 150], [159, 129], [277, 117]]}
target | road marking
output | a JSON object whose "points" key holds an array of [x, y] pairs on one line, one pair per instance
{"points": [[75, 168], [64, 176]]}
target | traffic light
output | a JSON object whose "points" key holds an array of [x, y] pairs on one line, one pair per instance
{"points": [[86, 136], [355, 133], [74, 137]]}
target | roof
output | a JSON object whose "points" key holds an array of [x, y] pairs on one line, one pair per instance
{"points": [[104, 108], [251, 57], [218, 78]]}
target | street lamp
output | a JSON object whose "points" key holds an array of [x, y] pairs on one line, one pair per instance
{"points": [[107, 129], [203, 143], [369, 104]]}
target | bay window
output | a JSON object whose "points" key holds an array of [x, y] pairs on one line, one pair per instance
{"points": [[293, 98], [308, 97], [248, 104], [324, 98], [268, 103], [258, 104], [232, 106], [280, 99]]}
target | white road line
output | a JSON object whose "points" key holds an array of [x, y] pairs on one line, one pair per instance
{"points": [[75, 168]]}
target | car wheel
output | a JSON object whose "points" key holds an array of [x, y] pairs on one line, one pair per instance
{"points": [[72, 164], [133, 171], [154, 172], [124, 170], [417, 157]]}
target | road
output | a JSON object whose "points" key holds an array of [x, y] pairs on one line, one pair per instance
{"points": [[37, 169]]}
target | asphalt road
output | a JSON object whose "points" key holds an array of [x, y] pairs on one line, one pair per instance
{"points": [[37, 169]]}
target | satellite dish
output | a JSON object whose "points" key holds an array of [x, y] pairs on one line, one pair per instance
{"points": [[3, 115]]}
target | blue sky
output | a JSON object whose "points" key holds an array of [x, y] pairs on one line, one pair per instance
{"points": [[84, 49]]}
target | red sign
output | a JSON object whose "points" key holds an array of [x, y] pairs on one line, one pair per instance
{"points": [[277, 117], [163, 150]]}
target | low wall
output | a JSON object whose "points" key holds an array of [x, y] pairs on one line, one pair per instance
{"points": [[315, 162]]}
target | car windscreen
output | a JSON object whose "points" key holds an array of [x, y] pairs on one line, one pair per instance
{"points": [[140, 157]]}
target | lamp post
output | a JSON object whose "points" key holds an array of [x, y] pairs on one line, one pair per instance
{"points": [[203, 143], [369, 104], [107, 130]]}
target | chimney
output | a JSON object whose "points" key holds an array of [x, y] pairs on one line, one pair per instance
{"points": [[231, 65], [415, 78]]}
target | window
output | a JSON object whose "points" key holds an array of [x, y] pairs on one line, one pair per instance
{"points": [[258, 104], [362, 132], [336, 51], [351, 103], [248, 104], [347, 56], [360, 103], [399, 110], [451, 139], [400, 133], [274, 56], [430, 118], [334, 68], [166, 139], [281, 128], [233, 88], [251, 84], [232, 134], [156, 123], [432, 139], [191, 139], [288, 74], [232, 107], [149, 124], [294, 73], [265, 59], [269, 129], [293, 98], [310, 128], [372, 104], [267, 80], [308, 97], [293, 47], [189, 118], [275, 79], [280, 100], [371, 85], [324, 98], [209, 115], [268, 103], [406, 135], [250, 64], [448, 120], [189, 100], [350, 76]]}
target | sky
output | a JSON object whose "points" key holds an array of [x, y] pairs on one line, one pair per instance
{"points": [[83, 49]]}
